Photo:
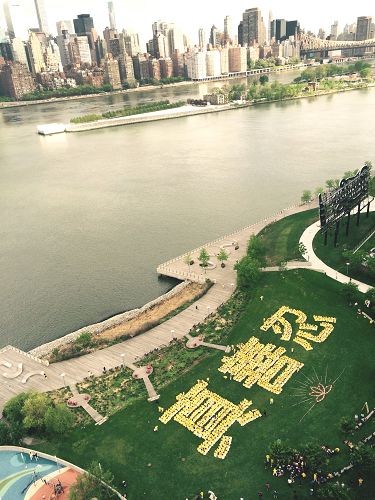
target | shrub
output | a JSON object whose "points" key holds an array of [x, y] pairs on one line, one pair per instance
{"points": [[58, 419]]}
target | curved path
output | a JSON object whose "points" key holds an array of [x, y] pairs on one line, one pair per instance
{"points": [[72, 371], [307, 239]]}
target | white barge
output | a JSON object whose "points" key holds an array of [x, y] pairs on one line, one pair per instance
{"points": [[51, 128]]}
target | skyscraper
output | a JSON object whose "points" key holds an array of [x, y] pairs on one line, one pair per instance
{"points": [[8, 19], [334, 30], [228, 35], [363, 27], [83, 24], [201, 38], [41, 15], [112, 17], [64, 26], [253, 29]]}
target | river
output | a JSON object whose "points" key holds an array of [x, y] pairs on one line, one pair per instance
{"points": [[86, 218]]}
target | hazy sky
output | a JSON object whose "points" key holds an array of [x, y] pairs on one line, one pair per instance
{"points": [[190, 15]]}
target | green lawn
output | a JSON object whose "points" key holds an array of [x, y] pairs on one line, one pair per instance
{"points": [[333, 256], [281, 238], [126, 444]]}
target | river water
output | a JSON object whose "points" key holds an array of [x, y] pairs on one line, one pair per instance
{"points": [[86, 218]]}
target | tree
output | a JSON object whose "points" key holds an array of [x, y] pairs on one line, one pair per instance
{"points": [[58, 419], [350, 292], [263, 79], [315, 457], [204, 258], [188, 260], [90, 484], [370, 295], [365, 73], [5, 436], [222, 256], [306, 196], [356, 260], [256, 249], [34, 411], [363, 457], [347, 425], [13, 408], [319, 190], [330, 184], [281, 452], [302, 248], [248, 272]]}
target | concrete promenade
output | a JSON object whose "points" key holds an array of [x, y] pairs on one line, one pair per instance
{"points": [[20, 371]]}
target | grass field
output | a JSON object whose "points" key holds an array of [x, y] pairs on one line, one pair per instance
{"points": [[333, 256], [165, 464], [281, 238]]}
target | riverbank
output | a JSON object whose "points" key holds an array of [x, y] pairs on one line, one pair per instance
{"points": [[124, 325], [276, 69], [190, 110]]}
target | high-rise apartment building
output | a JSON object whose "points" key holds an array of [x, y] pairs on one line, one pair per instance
{"points": [[201, 38], [166, 67], [215, 36], [111, 14], [253, 29], [224, 60], [131, 43], [15, 80], [237, 59], [82, 43], [213, 66], [334, 30], [196, 65], [63, 41], [41, 15], [35, 51], [292, 28], [19, 51], [279, 29], [112, 72], [126, 68]]}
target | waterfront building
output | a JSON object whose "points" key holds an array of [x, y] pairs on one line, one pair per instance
{"points": [[213, 66], [178, 62], [224, 60], [237, 59], [112, 17], [41, 15], [253, 29], [166, 67], [112, 72], [64, 25], [154, 68], [35, 52], [16, 80], [196, 65], [201, 39]]}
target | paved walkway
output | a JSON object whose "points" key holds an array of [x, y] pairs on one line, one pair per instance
{"points": [[46, 378], [318, 265]]}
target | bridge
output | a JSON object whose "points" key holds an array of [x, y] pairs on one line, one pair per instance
{"points": [[311, 44]]}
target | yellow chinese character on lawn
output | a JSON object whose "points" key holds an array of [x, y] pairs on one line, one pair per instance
{"points": [[256, 363], [209, 416], [280, 325]]}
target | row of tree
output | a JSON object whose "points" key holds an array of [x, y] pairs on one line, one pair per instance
{"points": [[330, 70], [66, 92], [136, 110]]}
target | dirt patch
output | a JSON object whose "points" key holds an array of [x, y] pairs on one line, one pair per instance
{"points": [[156, 313]]}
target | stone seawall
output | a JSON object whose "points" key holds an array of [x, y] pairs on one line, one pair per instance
{"points": [[97, 328]]}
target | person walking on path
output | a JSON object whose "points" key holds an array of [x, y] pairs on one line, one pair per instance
{"points": [[268, 486], [275, 494]]}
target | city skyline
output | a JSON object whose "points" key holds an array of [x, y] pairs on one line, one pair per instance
{"points": [[140, 16]]}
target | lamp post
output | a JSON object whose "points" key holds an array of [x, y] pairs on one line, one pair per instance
{"points": [[347, 268], [62, 375], [122, 359], [172, 333]]}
